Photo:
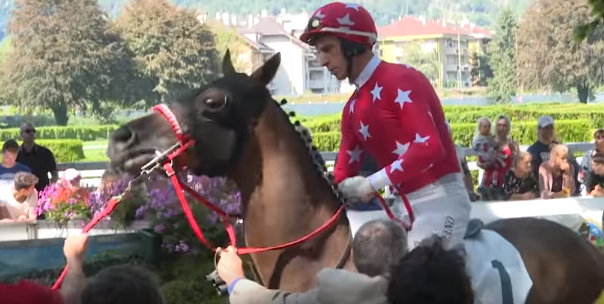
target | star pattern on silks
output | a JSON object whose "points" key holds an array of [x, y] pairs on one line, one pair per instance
{"points": [[351, 109], [353, 6], [355, 155], [318, 14], [376, 92], [419, 139], [345, 20], [364, 131], [396, 165], [403, 97], [400, 149]]}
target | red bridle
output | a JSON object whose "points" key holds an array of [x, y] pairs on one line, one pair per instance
{"points": [[166, 160]]}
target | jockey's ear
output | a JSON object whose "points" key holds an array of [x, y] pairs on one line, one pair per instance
{"points": [[227, 64], [267, 71]]}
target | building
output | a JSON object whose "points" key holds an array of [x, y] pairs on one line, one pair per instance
{"points": [[300, 71], [450, 41]]}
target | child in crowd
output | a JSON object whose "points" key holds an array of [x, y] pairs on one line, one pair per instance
{"points": [[488, 157]]}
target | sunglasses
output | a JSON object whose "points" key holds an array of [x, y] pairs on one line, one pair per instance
{"points": [[30, 131]]}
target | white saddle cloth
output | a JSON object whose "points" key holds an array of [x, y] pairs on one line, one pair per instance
{"points": [[494, 265], [496, 269]]}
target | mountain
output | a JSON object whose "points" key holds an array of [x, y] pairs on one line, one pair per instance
{"points": [[480, 12]]}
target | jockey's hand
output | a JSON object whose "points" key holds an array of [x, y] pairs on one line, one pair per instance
{"points": [[229, 266], [357, 189]]}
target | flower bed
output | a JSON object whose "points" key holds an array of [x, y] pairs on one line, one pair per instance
{"points": [[154, 201]]}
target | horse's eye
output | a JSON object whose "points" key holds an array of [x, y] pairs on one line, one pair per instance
{"points": [[216, 104]]}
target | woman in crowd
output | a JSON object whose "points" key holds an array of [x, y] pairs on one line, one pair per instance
{"points": [[556, 175], [520, 182], [504, 148], [502, 134]]}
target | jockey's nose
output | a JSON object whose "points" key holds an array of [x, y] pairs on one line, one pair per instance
{"points": [[323, 59]]}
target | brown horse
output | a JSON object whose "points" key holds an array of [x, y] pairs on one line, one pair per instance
{"points": [[241, 132]]}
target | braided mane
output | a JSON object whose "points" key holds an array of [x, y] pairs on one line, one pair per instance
{"points": [[321, 168]]}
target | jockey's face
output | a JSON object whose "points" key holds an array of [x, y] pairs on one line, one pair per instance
{"points": [[330, 55]]}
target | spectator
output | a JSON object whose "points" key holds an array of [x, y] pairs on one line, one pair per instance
{"points": [[502, 135], [594, 178], [26, 292], [123, 284], [38, 158], [20, 203], [494, 157], [430, 274], [598, 148], [556, 175], [540, 150], [377, 246], [519, 182], [9, 166]]}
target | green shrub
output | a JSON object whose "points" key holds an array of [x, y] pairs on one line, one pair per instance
{"points": [[524, 133], [64, 150], [471, 114], [84, 133]]}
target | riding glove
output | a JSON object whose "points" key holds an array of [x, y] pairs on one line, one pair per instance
{"points": [[357, 190]]}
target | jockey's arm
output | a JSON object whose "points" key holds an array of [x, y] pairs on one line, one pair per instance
{"points": [[350, 156], [419, 130]]}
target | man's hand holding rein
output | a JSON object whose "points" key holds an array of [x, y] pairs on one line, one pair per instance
{"points": [[230, 267]]}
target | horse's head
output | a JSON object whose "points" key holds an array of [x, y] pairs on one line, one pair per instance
{"points": [[217, 118]]}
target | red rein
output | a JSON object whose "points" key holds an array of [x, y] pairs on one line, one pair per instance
{"points": [[180, 188]]}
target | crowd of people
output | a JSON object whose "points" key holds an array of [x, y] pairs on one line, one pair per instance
{"points": [[545, 170], [25, 169]]}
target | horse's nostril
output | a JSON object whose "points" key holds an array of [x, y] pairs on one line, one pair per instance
{"points": [[123, 135]]}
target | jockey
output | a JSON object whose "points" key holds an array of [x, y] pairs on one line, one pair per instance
{"points": [[395, 116]]}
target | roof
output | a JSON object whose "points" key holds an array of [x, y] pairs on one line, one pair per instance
{"points": [[269, 26], [411, 26]]}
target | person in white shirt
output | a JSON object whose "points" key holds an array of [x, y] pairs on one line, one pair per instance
{"points": [[19, 202]]}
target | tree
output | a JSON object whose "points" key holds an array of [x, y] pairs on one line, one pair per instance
{"points": [[547, 55], [5, 45], [61, 56], [481, 70], [173, 51], [418, 55], [244, 59], [502, 58]]}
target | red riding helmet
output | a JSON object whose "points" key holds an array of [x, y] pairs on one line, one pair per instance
{"points": [[348, 21]]}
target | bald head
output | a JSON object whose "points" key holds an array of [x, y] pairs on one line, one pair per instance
{"points": [[28, 133], [378, 245]]}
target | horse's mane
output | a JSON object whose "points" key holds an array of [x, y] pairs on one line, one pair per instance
{"points": [[306, 139]]}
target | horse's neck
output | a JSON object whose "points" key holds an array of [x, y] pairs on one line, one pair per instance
{"points": [[284, 198], [277, 166]]}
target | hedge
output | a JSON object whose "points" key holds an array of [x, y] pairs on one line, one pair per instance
{"points": [[85, 133], [471, 114], [64, 150], [524, 133]]}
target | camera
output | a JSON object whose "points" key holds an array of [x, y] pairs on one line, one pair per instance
{"points": [[218, 283]]}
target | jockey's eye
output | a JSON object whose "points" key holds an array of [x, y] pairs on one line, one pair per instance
{"points": [[216, 104]]}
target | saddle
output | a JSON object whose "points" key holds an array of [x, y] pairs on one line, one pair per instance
{"points": [[474, 227]]}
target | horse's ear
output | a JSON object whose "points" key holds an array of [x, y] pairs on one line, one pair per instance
{"points": [[267, 71], [227, 64]]}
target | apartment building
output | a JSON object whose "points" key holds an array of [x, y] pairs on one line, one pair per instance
{"points": [[450, 41], [300, 71]]}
